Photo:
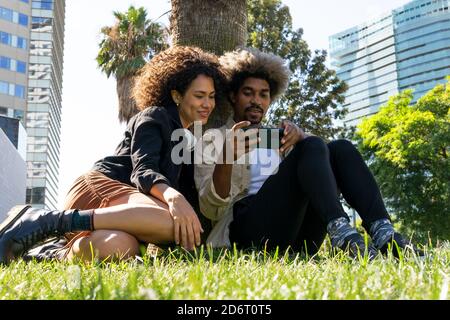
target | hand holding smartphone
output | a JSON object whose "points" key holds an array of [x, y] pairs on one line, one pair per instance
{"points": [[270, 137]]}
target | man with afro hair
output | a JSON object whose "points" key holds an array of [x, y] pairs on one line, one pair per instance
{"points": [[293, 202]]}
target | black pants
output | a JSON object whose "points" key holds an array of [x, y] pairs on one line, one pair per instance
{"points": [[294, 206]]}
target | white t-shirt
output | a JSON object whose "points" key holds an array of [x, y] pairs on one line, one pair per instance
{"points": [[263, 163]]}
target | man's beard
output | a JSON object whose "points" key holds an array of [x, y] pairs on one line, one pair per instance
{"points": [[254, 119]]}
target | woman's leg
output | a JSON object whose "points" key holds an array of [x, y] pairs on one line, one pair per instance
{"points": [[119, 227], [104, 245], [133, 214]]}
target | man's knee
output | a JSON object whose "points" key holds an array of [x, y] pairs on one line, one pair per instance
{"points": [[312, 143], [106, 244], [341, 145]]}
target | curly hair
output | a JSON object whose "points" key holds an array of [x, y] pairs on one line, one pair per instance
{"points": [[174, 69], [244, 62]]}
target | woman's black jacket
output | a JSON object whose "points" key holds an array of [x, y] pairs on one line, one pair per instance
{"points": [[143, 157]]}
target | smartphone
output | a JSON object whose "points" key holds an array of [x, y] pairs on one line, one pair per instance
{"points": [[270, 137]]}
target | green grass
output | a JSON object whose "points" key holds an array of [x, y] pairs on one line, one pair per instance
{"points": [[233, 275]]}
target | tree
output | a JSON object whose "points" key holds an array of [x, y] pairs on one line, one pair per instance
{"points": [[125, 48], [408, 149], [314, 97], [217, 26], [213, 25]]}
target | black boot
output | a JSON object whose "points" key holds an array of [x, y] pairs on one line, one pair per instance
{"points": [[25, 227], [347, 238], [398, 245], [356, 246]]}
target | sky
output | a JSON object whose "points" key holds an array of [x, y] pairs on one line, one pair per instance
{"points": [[90, 127]]}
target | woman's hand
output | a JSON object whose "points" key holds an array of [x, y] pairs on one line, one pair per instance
{"points": [[292, 135], [187, 227]]}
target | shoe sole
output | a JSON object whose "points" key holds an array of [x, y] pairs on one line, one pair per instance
{"points": [[12, 216]]}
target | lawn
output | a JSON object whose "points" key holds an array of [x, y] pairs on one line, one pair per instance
{"points": [[234, 275]]}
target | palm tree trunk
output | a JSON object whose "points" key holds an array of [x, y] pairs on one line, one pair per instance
{"points": [[216, 26], [213, 25], [127, 105]]}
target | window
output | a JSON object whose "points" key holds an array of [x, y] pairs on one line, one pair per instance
{"points": [[14, 41], [21, 43], [37, 195], [44, 4], [41, 24], [13, 16], [41, 20], [23, 19], [4, 87], [5, 38], [28, 196], [18, 114], [5, 63], [19, 91], [13, 65], [6, 14], [11, 89], [21, 67]]}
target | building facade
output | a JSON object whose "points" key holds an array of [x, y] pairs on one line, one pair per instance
{"points": [[13, 176], [16, 134], [43, 117], [15, 23], [407, 48]]}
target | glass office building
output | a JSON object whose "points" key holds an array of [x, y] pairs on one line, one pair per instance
{"points": [[15, 23], [408, 47], [43, 117]]}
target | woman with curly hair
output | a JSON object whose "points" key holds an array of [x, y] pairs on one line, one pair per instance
{"points": [[131, 196]]}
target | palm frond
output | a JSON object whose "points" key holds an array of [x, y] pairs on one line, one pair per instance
{"points": [[124, 49]]}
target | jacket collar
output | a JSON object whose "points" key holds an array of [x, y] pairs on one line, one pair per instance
{"points": [[230, 122], [174, 116]]}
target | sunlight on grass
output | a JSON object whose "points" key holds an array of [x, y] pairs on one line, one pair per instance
{"points": [[223, 274]]}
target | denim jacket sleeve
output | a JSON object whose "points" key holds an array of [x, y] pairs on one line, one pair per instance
{"points": [[146, 148]]}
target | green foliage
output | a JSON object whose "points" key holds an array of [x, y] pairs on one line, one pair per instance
{"points": [[408, 149], [315, 94], [127, 45]]}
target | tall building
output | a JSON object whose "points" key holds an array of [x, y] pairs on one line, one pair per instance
{"points": [[408, 47], [43, 117], [15, 22]]}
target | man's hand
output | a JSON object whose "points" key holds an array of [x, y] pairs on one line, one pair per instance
{"points": [[292, 135], [240, 142], [237, 143]]}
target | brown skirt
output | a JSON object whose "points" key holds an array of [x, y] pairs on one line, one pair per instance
{"points": [[93, 190]]}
